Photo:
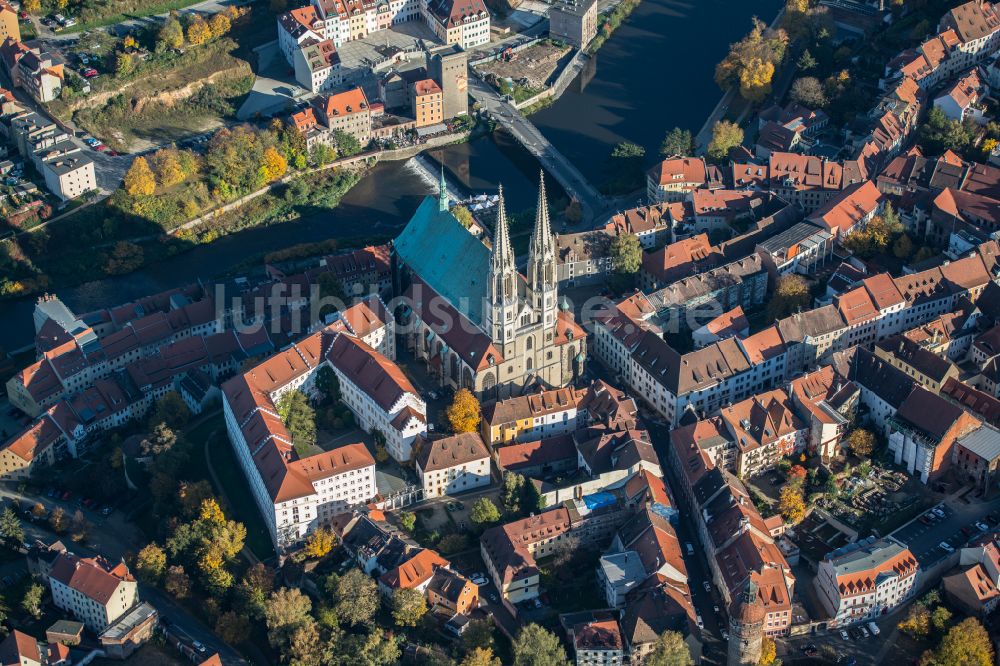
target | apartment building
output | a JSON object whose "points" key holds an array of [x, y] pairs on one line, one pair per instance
{"points": [[68, 172], [93, 590], [317, 66], [923, 433], [531, 417], [674, 178], [865, 580], [9, 28], [453, 464], [347, 112], [462, 22], [573, 22], [428, 103]]}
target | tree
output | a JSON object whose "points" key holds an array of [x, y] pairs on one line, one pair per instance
{"points": [[232, 627], [670, 650], [38, 511], [159, 441], [32, 6], [478, 634], [198, 31], [125, 258], [861, 442], [171, 34], [755, 80], [139, 180], [274, 165], [168, 168], [357, 598], [797, 474], [319, 543], [10, 528], [480, 657], [177, 583], [463, 215], [917, 622], [464, 413], [286, 610], [322, 154], [806, 61], [151, 564], [792, 504], [124, 63], [940, 618], [510, 497], [626, 254], [808, 91], [300, 420], [57, 521], [80, 527], [347, 144], [965, 644], [768, 652], [407, 520], [537, 647], [408, 606], [373, 649], [791, 294], [677, 142], [192, 495], [484, 512], [940, 133], [219, 24], [306, 648], [573, 212], [725, 136], [31, 602], [328, 384], [627, 150], [903, 247]]}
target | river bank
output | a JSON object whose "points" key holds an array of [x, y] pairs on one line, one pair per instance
{"points": [[613, 100]]}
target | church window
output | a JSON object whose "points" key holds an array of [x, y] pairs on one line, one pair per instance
{"points": [[527, 364], [527, 343], [548, 355]]}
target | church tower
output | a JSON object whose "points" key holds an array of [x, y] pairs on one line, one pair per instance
{"points": [[542, 282], [746, 628], [502, 292], [443, 203]]}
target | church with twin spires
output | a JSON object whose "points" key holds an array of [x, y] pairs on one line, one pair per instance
{"points": [[472, 316]]}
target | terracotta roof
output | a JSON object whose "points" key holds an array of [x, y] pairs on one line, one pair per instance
{"points": [[761, 419], [426, 87], [344, 103], [449, 452], [681, 170], [415, 571], [600, 635], [94, 578], [366, 316], [370, 371], [973, 20], [35, 439], [729, 323], [856, 306], [19, 648], [883, 291], [507, 545], [681, 259], [763, 345], [532, 405], [540, 452], [842, 213]]}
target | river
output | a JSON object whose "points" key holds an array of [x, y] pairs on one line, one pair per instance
{"points": [[653, 74]]}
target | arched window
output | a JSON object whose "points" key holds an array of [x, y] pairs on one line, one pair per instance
{"points": [[527, 364], [489, 383], [467, 380], [528, 343], [454, 368]]}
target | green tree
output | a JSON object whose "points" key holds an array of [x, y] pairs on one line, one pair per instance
{"points": [[253, 590], [478, 635], [917, 622], [513, 488], [806, 61], [484, 512], [573, 212], [356, 598], [10, 528], [372, 649], [161, 440], [670, 650], [125, 257], [408, 606], [328, 384], [791, 294], [903, 247], [286, 610], [463, 215], [725, 136], [31, 602], [151, 564], [407, 520], [940, 618], [300, 420], [627, 149], [171, 34], [124, 63], [626, 254], [677, 142], [535, 646], [232, 627], [172, 410], [347, 144], [940, 133]]}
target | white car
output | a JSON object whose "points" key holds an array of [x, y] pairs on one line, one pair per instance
{"points": [[946, 547], [939, 511], [701, 624], [843, 634], [982, 527], [872, 627], [707, 586]]}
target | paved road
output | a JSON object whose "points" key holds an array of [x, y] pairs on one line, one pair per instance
{"points": [[113, 538]]}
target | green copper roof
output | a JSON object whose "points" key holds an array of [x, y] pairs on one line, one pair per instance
{"points": [[443, 253]]}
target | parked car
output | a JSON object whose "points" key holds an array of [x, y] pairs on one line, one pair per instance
{"points": [[938, 511], [843, 634], [982, 527], [198, 646], [89, 73], [701, 624], [69, 23], [946, 547], [810, 650], [872, 627], [67, 496], [689, 548], [707, 586], [23, 15]]}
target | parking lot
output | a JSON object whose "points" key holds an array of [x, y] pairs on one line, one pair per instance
{"points": [[954, 524]]}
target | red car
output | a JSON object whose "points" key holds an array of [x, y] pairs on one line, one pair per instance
{"points": [[114, 153], [23, 15], [89, 73]]}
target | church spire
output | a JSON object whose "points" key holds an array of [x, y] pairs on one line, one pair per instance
{"points": [[442, 193], [503, 254], [542, 234], [542, 261]]}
